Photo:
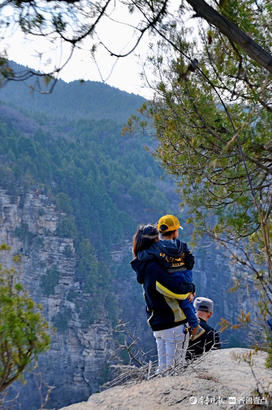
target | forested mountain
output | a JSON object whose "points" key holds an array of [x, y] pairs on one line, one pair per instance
{"points": [[75, 100], [72, 192], [104, 183], [93, 172]]}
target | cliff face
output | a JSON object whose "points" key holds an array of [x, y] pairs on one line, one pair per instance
{"points": [[76, 362]]}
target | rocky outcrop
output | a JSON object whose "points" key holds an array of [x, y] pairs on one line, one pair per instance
{"points": [[227, 379], [77, 360]]}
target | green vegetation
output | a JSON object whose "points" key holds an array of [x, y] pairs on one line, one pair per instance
{"points": [[92, 173], [62, 318], [23, 331], [50, 280], [68, 252], [66, 227], [24, 234], [269, 359]]}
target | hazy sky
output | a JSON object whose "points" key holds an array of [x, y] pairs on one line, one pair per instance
{"points": [[116, 32], [123, 73]]}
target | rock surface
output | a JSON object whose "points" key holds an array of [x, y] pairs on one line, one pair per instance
{"points": [[220, 379], [78, 354]]}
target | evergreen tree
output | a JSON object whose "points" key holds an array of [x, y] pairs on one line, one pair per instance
{"points": [[23, 331]]}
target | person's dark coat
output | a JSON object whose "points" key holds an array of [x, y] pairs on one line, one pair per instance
{"points": [[162, 293], [209, 340]]}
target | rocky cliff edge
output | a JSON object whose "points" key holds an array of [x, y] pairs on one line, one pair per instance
{"points": [[227, 378]]}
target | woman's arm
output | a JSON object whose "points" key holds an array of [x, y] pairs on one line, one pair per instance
{"points": [[169, 285]]}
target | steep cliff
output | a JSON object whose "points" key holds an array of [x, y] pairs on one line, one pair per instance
{"points": [[77, 361]]}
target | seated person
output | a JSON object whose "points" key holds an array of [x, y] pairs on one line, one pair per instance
{"points": [[210, 339]]}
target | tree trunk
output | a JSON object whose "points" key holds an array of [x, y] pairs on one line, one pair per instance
{"points": [[225, 26]]}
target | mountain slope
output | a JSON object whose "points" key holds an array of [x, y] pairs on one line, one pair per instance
{"points": [[75, 100]]}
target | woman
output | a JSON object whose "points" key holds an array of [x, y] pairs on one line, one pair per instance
{"points": [[162, 292]]}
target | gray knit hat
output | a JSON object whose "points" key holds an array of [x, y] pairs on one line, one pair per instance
{"points": [[203, 304]]}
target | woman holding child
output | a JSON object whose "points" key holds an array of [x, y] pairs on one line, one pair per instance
{"points": [[163, 267]]}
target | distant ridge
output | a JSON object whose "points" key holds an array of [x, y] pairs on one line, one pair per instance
{"points": [[74, 100]]}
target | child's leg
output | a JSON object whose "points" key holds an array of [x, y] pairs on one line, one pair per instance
{"points": [[189, 312]]}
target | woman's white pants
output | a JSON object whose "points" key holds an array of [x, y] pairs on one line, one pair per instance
{"points": [[171, 347]]}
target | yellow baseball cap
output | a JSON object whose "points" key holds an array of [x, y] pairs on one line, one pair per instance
{"points": [[168, 223]]}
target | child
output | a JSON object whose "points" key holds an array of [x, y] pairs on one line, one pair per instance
{"points": [[175, 256]]}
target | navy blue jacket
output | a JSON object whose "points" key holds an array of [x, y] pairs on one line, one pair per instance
{"points": [[173, 254], [209, 340], [162, 293]]}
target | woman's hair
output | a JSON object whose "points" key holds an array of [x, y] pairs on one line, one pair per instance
{"points": [[144, 237]]}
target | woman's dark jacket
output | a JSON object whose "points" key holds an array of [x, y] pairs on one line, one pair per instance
{"points": [[162, 292]]}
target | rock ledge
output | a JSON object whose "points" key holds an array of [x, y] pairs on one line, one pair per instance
{"points": [[219, 379]]}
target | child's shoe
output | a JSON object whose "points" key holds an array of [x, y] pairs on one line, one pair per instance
{"points": [[199, 332]]}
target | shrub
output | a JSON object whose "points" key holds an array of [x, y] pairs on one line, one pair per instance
{"points": [[23, 331]]}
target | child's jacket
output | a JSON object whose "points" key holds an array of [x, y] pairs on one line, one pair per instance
{"points": [[173, 254]]}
